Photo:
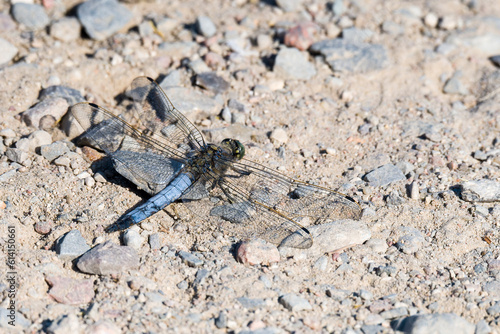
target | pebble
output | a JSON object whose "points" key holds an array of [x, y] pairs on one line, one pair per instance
{"points": [[62, 161], [201, 274], [394, 199], [349, 57], [17, 155], [221, 320], [108, 258], [431, 20], [187, 100], [492, 288], [480, 191], [54, 150], [411, 242], [414, 191], [67, 29], [294, 302], [71, 245], [154, 241], [257, 252], [205, 26], [388, 270], [331, 237], [377, 245], [494, 59], [31, 16], [70, 291], [198, 66], [372, 329], [366, 295], [183, 285], [396, 312], [434, 323], [384, 175], [448, 23], [278, 137], [34, 140], [212, 81], [8, 53], [264, 41], [65, 323], [43, 227], [102, 18], [53, 108], [289, 5], [71, 95], [301, 36], [173, 78], [251, 303], [133, 239], [21, 322], [321, 263], [190, 259], [454, 85], [226, 114], [290, 63]]}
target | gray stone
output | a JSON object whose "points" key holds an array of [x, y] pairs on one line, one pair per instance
{"points": [[205, 26], [345, 56], [190, 259], [480, 191], [394, 313], [388, 270], [212, 81], [183, 285], [30, 15], [289, 5], [356, 35], [337, 294], [9, 51], [54, 150], [102, 18], [338, 7], [434, 323], [455, 86], [487, 43], [321, 263], [201, 274], [494, 310], [34, 140], [21, 323], [16, 155], [482, 327], [188, 100], [53, 109], [251, 303], [133, 239], [108, 258], [365, 294], [221, 320], [198, 66], [492, 288], [154, 241], [66, 29], [411, 241], [294, 303], [372, 329], [331, 237], [290, 63], [71, 245], [384, 175], [71, 95], [494, 59], [171, 79]]}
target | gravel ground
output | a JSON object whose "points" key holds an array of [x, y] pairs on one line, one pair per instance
{"points": [[395, 103]]}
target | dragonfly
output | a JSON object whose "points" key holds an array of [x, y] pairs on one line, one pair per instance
{"points": [[164, 154]]}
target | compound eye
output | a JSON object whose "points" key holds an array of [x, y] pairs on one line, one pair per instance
{"points": [[239, 149]]}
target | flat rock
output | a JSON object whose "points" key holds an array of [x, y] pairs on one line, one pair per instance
{"points": [[9, 51], [384, 175], [294, 302], [257, 252], [46, 113], [70, 291], [31, 16], [190, 259], [71, 245], [205, 26], [290, 63], [188, 100], [71, 95], [434, 323], [480, 191], [331, 237], [34, 140], [349, 57], [212, 81], [66, 29], [108, 258], [102, 18], [54, 150]]}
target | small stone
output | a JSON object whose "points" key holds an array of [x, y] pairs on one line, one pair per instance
{"points": [[492, 288], [198, 66], [43, 227], [279, 137], [108, 258], [257, 252], [70, 291], [212, 81], [411, 242], [205, 26], [188, 100], [226, 114], [394, 199], [54, 150], [190, 259], [154, 241], [8, 53], [141, 282], [102, 18], [480, 155], [366, 295], [71, 245], [31, 16], [67, 29], [480, 191], [434, 323], [294, 303], [377, 245], [321, 263], [290, 63], [414, 191], [448, 23], [301, 36], [183, 285], [34, 140], [356, 35], [72, 96], [133, 239], [213, 60], [397, 312], [494, 59], [455, 86], [431, 20], [289, 5], [264, 41], [384, 175], [17, 155], [62, 161], [221, 320], [388, 270]]}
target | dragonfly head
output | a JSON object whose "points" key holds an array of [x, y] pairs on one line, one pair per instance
{"points": [[235, 146]]}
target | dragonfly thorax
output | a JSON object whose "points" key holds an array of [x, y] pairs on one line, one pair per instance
{"points": [[214, 158]]}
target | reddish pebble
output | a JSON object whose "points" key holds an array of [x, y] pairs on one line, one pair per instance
{"points": [[2, 205], [257, 252], [43, 227], [70, 291], [91, 154], [301, 36], [452, 165]]}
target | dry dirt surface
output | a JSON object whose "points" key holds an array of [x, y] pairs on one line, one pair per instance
{"points": [[394, 103]]}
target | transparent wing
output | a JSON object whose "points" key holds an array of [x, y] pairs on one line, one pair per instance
{"points": [[252, 200]]}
